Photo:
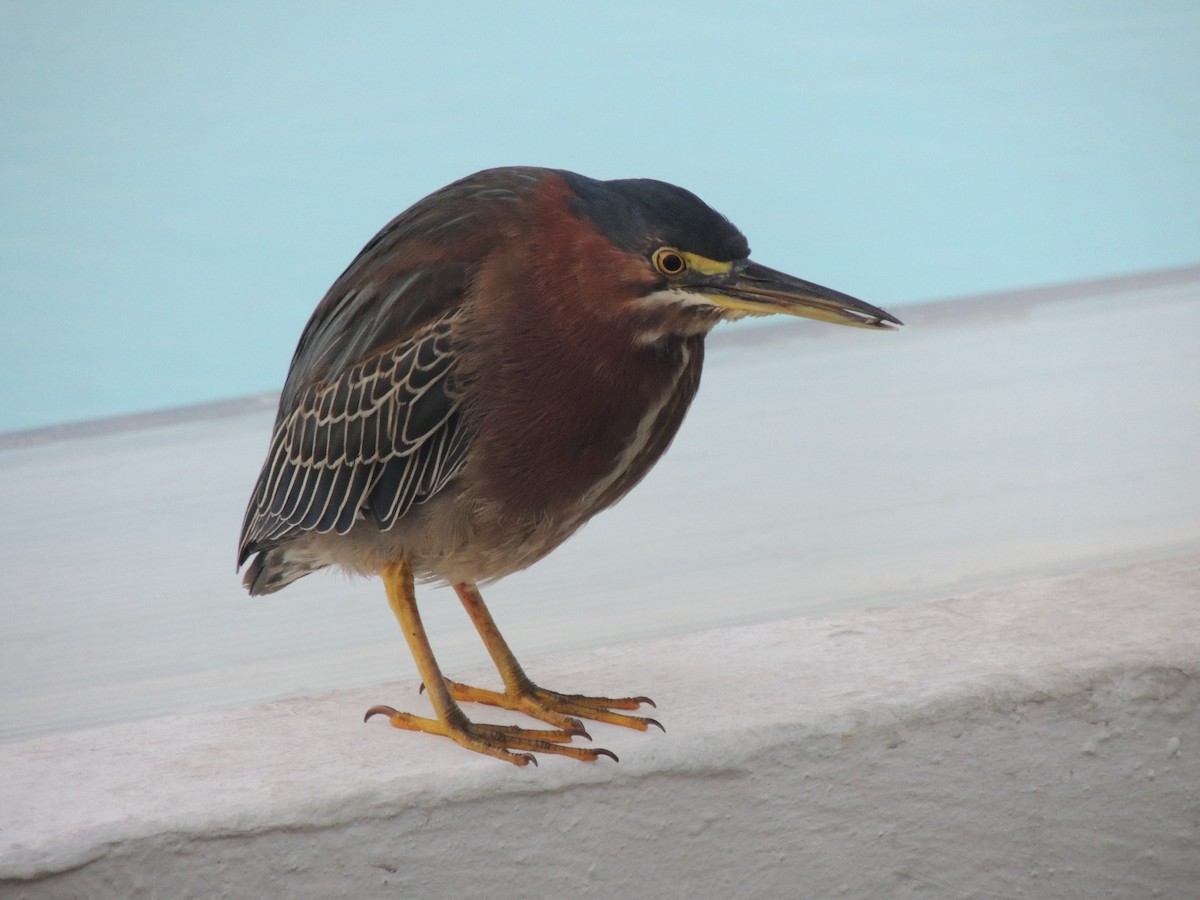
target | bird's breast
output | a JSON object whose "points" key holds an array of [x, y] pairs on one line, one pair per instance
{"points": [[659, 421], [566, 435]]}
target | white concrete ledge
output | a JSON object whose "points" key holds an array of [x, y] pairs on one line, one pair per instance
{"points": [[1036, 741]]}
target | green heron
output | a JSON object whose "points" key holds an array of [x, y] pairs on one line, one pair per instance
{"points": [[501, 362]]}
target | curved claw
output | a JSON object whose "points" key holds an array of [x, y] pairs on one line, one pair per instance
{"points": [[380, 710], [650, 721]]}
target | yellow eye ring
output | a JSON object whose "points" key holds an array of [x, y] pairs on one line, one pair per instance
{"points": [[669, 261]]}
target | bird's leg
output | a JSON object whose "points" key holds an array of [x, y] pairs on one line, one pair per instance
{"points": [[501, 741], [521, 694]]}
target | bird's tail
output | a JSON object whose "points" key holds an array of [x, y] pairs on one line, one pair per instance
{"points": [[274, 568]]}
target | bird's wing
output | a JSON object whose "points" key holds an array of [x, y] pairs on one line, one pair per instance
{"points": [[385, 434], [370, 418]]}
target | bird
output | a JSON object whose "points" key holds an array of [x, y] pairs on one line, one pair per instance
{"points": [[504, 360]]}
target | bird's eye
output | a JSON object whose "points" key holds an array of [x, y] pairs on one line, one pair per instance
{"points": [[669, 261]]}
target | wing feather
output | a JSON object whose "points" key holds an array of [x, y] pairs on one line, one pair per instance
{"points": [[369, 450]]}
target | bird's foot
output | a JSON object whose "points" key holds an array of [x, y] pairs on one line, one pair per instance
{"points": [[506, 742], [563, 711]]}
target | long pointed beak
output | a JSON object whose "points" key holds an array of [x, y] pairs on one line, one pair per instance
{"points": [[757, 290]]}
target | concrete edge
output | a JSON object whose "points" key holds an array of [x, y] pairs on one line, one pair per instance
{"points": [[1002, 691]]}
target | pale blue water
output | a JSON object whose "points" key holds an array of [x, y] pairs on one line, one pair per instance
{"points": [[180, 183]]}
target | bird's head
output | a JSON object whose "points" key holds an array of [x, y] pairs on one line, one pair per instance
{"points": [[685, 267]]}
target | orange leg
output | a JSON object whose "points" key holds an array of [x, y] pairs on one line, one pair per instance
{"points": [[501, 741], [522, 695]]}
